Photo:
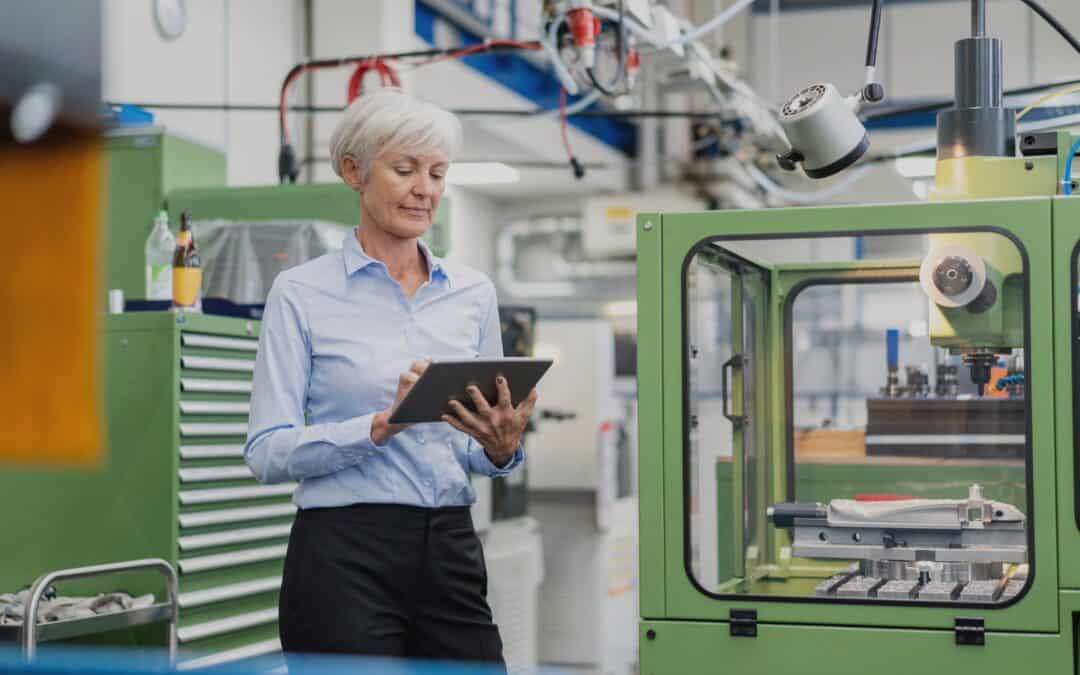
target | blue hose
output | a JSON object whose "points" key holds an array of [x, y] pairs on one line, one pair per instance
{"points": [[1067, 187], [1003, 382]]}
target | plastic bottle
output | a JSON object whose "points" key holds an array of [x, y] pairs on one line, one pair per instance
{"points": [[187, 269], [159, 254]]}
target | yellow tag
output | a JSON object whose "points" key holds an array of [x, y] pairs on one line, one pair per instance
{"points": [[51, 300], [620, 213]]}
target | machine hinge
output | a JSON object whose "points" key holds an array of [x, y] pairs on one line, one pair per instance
{"points": [[970, 630], [743, 622]]}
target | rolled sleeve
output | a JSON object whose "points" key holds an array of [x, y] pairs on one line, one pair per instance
{"points": [[280, 446], [480, 463]]}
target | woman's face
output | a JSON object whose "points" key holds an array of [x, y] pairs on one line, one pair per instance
{"points": [[401, 191]]}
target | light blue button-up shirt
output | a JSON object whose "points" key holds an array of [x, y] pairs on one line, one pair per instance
{"points": [[337, 333]]}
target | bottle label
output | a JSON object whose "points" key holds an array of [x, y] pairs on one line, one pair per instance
{"points": [[159, 281], [185, 286]]}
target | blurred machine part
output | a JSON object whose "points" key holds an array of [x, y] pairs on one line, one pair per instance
{"points": [[52, 50], [510, 495], [513, 552], [50, 183], [581, 491]]}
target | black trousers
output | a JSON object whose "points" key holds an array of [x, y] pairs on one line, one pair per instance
{"points": [[387, 580]]}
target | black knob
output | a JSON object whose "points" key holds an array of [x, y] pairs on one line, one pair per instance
{"points": [[873, 93], [953, 276], [790, 160]]}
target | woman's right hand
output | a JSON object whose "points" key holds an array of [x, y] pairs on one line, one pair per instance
{"points": [[381, 429]]}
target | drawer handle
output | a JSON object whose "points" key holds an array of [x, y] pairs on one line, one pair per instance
{"points": [[211, 451], [225, 516], [221, 560], [194, 542], [215, 363], [235, 494], [231, 592], [207, 629]]}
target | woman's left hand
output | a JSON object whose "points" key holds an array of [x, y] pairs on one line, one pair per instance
{"points": [[498, 427]]}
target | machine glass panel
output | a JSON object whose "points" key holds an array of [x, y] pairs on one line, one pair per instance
{"points": [[856, 422]]}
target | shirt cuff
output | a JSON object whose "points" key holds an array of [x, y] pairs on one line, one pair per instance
{"points": [[353, 439], [484, 466]]}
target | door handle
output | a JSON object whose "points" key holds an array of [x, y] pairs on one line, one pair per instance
{"points": [[736, 361]]}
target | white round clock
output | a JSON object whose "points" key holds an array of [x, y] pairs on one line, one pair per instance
{"points": [[170, 17]]}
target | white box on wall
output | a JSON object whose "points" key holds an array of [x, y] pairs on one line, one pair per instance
{"points": [[581, 382]]}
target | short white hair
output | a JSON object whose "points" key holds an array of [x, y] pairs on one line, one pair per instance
{"points": [[391, 120]]}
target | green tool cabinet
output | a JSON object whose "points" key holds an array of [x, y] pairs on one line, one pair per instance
{"points": [[190, 377], [173, 485]]}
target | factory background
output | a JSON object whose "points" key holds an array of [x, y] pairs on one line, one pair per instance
{"points": [[191, 122]]}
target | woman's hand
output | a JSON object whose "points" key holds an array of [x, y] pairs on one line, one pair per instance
{"points": [[381, 429], [498, 427]]}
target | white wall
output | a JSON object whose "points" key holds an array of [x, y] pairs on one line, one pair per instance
{"points": [[232, 51], [475, 220]]}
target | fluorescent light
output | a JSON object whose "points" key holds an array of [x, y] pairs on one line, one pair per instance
{"points": [[916, 167], [481, 173]]}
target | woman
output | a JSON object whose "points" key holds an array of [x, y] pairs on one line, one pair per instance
{"points": [[383, 558]]}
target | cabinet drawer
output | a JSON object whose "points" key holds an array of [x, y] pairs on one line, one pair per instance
{"points": [[235, 494], [202, 385], [194, 564], [196, 542], [235, 515], [219, 451], [218, 342]]}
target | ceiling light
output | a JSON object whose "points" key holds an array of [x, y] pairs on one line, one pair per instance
{"points": [[481, 173], [916, 167]]}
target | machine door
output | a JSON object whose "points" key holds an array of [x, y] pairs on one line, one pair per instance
{"points": [[724, 305], [1067, 360], [857, 416]]}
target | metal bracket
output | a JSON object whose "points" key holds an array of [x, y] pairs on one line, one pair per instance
{"points": [[970, 630], [743, 622]]}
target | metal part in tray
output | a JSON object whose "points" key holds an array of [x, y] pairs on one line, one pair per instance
{"points": [[30, 633]]}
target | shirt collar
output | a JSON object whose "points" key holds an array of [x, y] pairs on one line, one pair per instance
{"points": [[356, 259]]}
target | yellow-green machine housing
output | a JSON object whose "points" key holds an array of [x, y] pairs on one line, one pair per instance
{"points": [[688, 629]]}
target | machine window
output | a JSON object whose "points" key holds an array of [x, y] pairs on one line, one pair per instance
{"points": [[896, 365]]}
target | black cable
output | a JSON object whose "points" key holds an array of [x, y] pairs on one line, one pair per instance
{"points": [[875, 30], [620, 70], [1054, 23]]}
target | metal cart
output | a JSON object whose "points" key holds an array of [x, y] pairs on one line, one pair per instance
{"points": [[30, 633]]}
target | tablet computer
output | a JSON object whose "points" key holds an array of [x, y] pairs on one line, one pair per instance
{"points": [[429, 399]]}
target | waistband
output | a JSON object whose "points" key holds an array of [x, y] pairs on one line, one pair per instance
{"points": [[396, 516]]}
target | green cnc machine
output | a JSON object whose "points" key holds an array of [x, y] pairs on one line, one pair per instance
{"points": [[760, 547], [858, 440]]}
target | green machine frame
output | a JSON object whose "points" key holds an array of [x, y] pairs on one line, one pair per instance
{"points": [[685, 629]]}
